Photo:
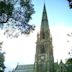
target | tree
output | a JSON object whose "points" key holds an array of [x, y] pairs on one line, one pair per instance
{"points": [[70, 3], [69, 60], [14, 17], [2, 59], [69, 41], [2, 66]]}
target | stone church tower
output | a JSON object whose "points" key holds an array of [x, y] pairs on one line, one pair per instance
{"points": [[44, 60]]}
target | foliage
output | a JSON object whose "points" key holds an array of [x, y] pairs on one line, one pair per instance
{"points": [[15, 16], [69, 61], [70, 3], [2, 67], [6, 8], [69, 64]]}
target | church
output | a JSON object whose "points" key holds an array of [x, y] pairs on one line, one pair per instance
{"points": [[44, 59]]}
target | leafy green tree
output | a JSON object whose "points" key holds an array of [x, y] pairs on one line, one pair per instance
{"points": [[70, 3], [69, 61], [2, 66], [69, 64], [2, 59], [15, 16]]}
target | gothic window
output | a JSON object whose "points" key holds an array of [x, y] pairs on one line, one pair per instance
{"points": [[42, 49]]}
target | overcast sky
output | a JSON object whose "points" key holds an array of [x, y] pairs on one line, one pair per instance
{"points": [[22, 49]]}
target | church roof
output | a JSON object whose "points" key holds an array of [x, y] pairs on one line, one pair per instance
{"points": [[24, 68]]}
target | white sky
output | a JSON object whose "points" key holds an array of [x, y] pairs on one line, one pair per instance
{"points": [[22, 49]]}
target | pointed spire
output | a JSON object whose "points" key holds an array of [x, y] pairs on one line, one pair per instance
{"points": [[44, 25], [44, 17]]}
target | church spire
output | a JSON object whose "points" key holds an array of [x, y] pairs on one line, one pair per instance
{"points": [[44, 61], [44, 25]]}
